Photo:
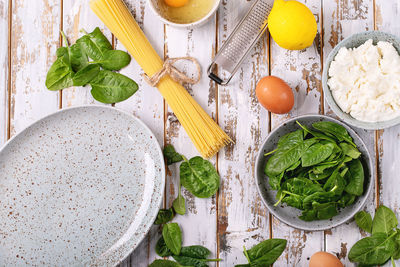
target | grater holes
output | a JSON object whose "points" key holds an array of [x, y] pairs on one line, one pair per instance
{"points": [[245, 35]]}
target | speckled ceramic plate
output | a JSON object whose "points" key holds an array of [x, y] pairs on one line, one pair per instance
{"points": [[289, 215], [80, 187]]}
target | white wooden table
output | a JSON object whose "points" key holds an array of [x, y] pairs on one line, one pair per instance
{"points": [[29, 37]]}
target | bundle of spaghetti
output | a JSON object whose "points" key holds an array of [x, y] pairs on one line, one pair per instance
{"points": [[205, 133]]}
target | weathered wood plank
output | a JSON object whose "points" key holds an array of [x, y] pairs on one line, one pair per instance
{"points": [[200, 222], [302, 71], [35, 38], [387, 13], [148, 105], [77, 16], [242, 217], [342, 19], [4, 71]]}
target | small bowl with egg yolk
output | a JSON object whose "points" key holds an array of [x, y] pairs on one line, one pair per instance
{"points": [[184, 13]]}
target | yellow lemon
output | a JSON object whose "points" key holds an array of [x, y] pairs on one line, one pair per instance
{"points": [[292, 25]]}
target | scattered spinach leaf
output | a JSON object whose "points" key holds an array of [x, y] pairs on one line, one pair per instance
{"points": [[72, 68], [86, 74], [364, 221], [60, 74], [179, 204], [114, 60], [264, 253], [384, 220], [173, 237], [374, 250], [171, 155], [111, 87], [95, 44], [199, 177], [164, 216], [161, 248]]}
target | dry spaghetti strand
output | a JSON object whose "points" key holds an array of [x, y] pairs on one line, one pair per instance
{"points": [[206, 135]]}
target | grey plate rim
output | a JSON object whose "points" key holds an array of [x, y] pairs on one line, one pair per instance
{"points": [[259, 181], [384, 36], [163, 173]]}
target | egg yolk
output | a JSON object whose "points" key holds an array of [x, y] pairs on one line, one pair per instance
{"points": [[176, 3]]}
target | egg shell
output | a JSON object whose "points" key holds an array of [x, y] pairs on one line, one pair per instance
{"points": [[275, 95], [324, 259]]}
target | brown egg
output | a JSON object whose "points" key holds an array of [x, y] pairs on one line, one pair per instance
{"points": [[324, 259], [275, 95]]}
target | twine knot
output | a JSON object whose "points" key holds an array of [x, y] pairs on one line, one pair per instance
{"points": [[175, 74]]}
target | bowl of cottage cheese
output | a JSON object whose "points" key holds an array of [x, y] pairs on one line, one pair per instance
{"points": [[361, 80]]}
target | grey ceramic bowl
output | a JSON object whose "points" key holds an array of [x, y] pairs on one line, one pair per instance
{"points": [[290, 215], [356, 40]]}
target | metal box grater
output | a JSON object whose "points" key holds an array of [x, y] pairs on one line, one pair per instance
{"points": [[241, 41]]}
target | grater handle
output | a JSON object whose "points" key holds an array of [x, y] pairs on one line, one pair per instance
{"points": [[215, 77]]}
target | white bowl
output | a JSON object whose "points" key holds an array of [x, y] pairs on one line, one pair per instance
{"points": [[356, 40], [153, 5]]}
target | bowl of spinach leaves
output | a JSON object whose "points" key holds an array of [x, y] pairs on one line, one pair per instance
{"points": [[314, 172]]}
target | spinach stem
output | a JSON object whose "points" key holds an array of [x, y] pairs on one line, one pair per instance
{"points": [[83, 31], [185, 159], [290, 193], [280, 199], [213, 260], [64, 38], [246, 254], [269, 153], [393, 263]]}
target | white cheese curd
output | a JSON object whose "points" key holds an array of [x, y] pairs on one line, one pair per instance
{"points": [[365, 81]]}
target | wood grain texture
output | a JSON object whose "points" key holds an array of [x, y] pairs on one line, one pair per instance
{"points": [[302, 71], [77, 16], [35, 38], [199, 224], [386, 19], [342, 19], [242, 217], [4, 71], [148, 105]]}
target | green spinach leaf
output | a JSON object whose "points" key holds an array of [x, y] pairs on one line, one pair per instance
{"points": [[198, 252], [161, 248], [86, 74], [164, 216], [78, 56], [172, 235], [266, 252], [350, 150], [114, 60], [95, 44], [364, 221], [110, 87], [171, 155], [315, 154], [179, 204], [60, 74], [334, 129], [384, 220], [374, 250], [355, 178], [199, 177], [283, 159]]}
